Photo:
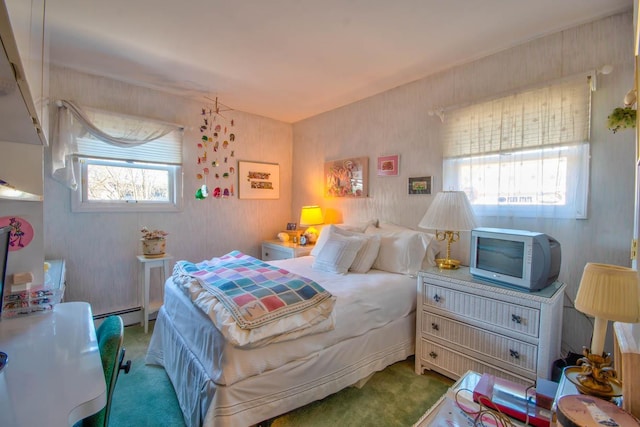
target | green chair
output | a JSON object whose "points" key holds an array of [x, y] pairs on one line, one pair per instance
{"points": [[110, 336]]}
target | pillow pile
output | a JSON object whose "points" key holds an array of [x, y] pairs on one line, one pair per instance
{"points": [[338, 250], [382, 246]]}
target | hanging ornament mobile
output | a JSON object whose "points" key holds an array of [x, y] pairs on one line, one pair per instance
{"points": [[215, 137]]}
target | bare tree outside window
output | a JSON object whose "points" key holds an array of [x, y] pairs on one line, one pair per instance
{"points": [[126, 183]]}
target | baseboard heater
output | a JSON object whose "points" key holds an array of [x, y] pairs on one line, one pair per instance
{"points": [[130, 316]]}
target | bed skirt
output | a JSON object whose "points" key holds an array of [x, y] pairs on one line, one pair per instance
{"points": [[295, 384]]}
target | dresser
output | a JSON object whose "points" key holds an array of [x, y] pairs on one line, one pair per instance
{"points": [[275, 249], [464, 324]]}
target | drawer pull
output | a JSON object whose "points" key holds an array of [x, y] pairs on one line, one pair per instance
{"points": [[436, 298], [433, 354], [514, 354], [266, 254], [435, 327], [516, 318]]}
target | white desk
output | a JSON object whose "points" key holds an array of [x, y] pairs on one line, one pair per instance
{"points": [[54, 373], [144, 276]]}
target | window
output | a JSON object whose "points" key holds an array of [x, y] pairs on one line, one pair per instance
{"points": [[524, 155], [116, 185], [124, 163]]}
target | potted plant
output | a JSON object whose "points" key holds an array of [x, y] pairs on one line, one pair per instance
{"points": [[621, 118], [153, 242]]}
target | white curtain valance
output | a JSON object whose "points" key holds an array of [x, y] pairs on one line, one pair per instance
{"points": [[92, 132]]}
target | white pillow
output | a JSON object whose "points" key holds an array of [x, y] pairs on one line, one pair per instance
{"points": [[322, 239], [337, 253], [366, 255], [401, 251], [429, 240], [433, 249], [324, 235]]}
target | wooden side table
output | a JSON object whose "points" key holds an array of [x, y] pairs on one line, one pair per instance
{"points": [[144, 276]]}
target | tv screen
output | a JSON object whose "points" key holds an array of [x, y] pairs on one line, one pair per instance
{"points": [[500, 256], [5, 234]]}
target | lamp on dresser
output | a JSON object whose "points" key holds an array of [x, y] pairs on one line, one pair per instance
{"points": [[606, 292], [449, 213], [310, 216]]}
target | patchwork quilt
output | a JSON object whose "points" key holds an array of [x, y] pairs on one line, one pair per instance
{"points": [[251, 301]]}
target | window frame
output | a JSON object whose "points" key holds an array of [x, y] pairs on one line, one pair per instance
{"points": [[578, 157], [81, 203]]}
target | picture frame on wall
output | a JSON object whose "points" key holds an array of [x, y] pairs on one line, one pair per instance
{"points": [[347, 177], [258, 180], [420, 185], [389, 165]]}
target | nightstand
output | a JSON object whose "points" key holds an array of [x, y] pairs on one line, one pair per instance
{"points": [[145, 265], [275, 249]]}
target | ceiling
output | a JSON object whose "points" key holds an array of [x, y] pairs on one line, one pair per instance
{"points": [[292, 59]]}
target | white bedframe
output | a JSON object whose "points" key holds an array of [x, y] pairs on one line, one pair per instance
{"points": [[204, 372]]}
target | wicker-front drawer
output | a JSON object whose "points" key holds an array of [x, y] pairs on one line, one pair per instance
{"points": [[502, 314], [472, 340], [454, 364]]}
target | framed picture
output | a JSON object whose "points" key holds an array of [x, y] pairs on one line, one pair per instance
{"points": [[347, 177], [258, 180], [388, 165], [420, 185], [292, 226]]}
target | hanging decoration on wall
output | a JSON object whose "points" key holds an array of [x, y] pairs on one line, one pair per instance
{"points": [[215, 144], [21, 233]]}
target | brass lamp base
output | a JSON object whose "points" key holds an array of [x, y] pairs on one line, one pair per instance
{"points": [[447, 264], [595, 376]]}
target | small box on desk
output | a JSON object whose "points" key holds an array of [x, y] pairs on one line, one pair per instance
{"points": [[545, 393]]}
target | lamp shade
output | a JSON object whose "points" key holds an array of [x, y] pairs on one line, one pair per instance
{"points": [[310, 215], [609, 292], [450, 210]]}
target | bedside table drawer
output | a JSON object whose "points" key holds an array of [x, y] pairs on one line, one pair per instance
{"points": [[270, 253], [472, 340], [513, 317], [274, 249]]}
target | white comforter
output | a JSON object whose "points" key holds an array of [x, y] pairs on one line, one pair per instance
{"points": [[364, 302]]}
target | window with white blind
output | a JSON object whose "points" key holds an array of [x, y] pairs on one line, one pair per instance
{"points": [[124, 178], [523, 155]]}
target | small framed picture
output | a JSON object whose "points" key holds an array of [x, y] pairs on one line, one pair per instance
{"points": [[292, 226], [420, 185], [388, 165]]}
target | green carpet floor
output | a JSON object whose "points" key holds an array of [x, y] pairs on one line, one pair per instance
{"points": [[395, 396]]}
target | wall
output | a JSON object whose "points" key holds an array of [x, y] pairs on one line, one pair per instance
{"points": [[100, 248], [397, 122]]}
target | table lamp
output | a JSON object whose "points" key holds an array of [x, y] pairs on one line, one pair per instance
{"points": [[310, 216], [449, 214], [606, 292]]}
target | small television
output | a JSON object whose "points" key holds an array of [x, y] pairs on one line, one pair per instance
{"points": [[519, 258]]}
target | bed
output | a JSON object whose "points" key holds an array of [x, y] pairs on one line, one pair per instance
{"points": [[372, 325]]}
